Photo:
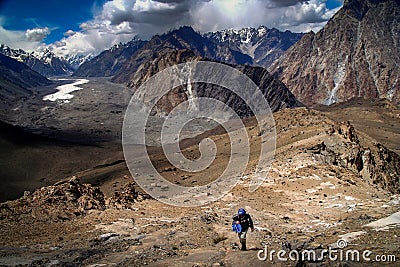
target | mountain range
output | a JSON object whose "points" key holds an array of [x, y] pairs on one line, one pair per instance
{"points": [[263, 45], [250, 46], [355, 54]]}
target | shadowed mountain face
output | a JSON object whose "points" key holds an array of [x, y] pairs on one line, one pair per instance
{"points": [[16, 78], [355, 55], [109, 62]]}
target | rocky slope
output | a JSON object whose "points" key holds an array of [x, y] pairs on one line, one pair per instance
{"points": [[277, 95], [44, 62], [356, 54], [264, 45], [314, 195]]}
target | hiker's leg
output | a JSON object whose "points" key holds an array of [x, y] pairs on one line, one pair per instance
{"points": [[243, 240]]}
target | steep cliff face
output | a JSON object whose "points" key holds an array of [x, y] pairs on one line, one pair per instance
{"points": [[356, 54], [277, 95]]}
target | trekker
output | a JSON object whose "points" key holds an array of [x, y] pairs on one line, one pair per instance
{"points": [[241, 224]]}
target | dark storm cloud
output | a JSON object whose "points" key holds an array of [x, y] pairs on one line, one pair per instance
{"points": [[284, 3]]}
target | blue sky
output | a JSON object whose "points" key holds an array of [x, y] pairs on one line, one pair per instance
{"points": [[82, 27], [58, 15]]}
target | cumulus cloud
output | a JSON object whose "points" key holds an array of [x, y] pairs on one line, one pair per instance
{"points": [[69, 33], [37, 34], [146, 17], [18, 40], [291, 15]]}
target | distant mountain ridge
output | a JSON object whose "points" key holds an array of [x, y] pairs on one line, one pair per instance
{"points": [[182, 38], [263, 45], [250, 46], [45, 62], [110, 61], [356, 54], [125, 58]]}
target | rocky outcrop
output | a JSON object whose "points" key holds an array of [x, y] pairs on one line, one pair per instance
{"points": [[356, 54], [126, 197], [277, 95], [64, 200], [375, 163]]}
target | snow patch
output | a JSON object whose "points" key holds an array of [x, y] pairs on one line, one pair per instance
{"points": [[65, 90], [390, 93], [310, 191], [338, 78], [349, 198], [391, 221]]}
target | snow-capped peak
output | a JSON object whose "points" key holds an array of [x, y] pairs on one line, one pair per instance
{"points": [[43, 60]]}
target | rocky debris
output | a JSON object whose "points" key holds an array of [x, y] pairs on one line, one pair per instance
{"points": [[64, 200], [209, 218], [126, 198], [150, 255], [375, 163], [356, 54]]}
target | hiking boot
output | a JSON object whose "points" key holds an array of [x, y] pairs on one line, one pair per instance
{"points": [[243, 246]]}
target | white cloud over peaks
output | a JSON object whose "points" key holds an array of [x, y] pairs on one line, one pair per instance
{"points": [[18, 40], [291, 15], [37, 34], [148, 17], [89, 41]]}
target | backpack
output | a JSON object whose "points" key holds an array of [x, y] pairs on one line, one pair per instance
{"points": [[236, 227]]}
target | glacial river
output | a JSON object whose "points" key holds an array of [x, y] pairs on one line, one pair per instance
{"points": [[64, 91]]}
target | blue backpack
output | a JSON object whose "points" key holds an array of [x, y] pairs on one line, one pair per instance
{"points": [[236, 227]]}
